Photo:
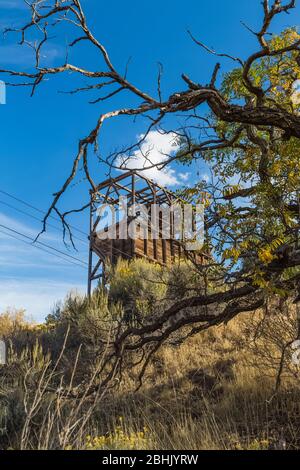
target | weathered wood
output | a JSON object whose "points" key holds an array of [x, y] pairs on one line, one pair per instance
{"points": [[162, 251]]}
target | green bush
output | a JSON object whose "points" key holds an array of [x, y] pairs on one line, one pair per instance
{"points": [[139, 286]]}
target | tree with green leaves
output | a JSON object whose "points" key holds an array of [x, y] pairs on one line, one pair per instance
{"points": [[249, 137]]}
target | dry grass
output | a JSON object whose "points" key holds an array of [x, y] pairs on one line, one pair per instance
{"points": [[211, 393], [214, 391]]}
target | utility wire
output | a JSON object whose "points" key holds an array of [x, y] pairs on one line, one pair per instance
{"points": [[42, 249], [38, 210], [16, 232], [39, 220], [52, 217]]}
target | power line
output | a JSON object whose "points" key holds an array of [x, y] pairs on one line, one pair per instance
{"points": [[42, 249], [52, 217], [43, 244], [38, 210], [31, 243], [39, 220]]}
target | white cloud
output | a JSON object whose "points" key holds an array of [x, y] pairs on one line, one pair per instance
{"points": [[184, 176], [205, 177], [156, 149]]}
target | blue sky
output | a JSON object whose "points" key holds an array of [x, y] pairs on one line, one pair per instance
{"points": [[39, 135]]}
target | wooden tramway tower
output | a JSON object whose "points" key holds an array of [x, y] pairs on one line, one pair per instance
{"points": [[139, 191]]}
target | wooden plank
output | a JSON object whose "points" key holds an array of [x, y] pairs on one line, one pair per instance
{"points": [[150, 249], [168, 252]]}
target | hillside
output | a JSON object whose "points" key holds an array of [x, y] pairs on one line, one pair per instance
{"points": [[218, 389]]}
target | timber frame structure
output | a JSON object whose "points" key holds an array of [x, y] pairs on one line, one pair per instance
{"points": [[138, 190]]}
